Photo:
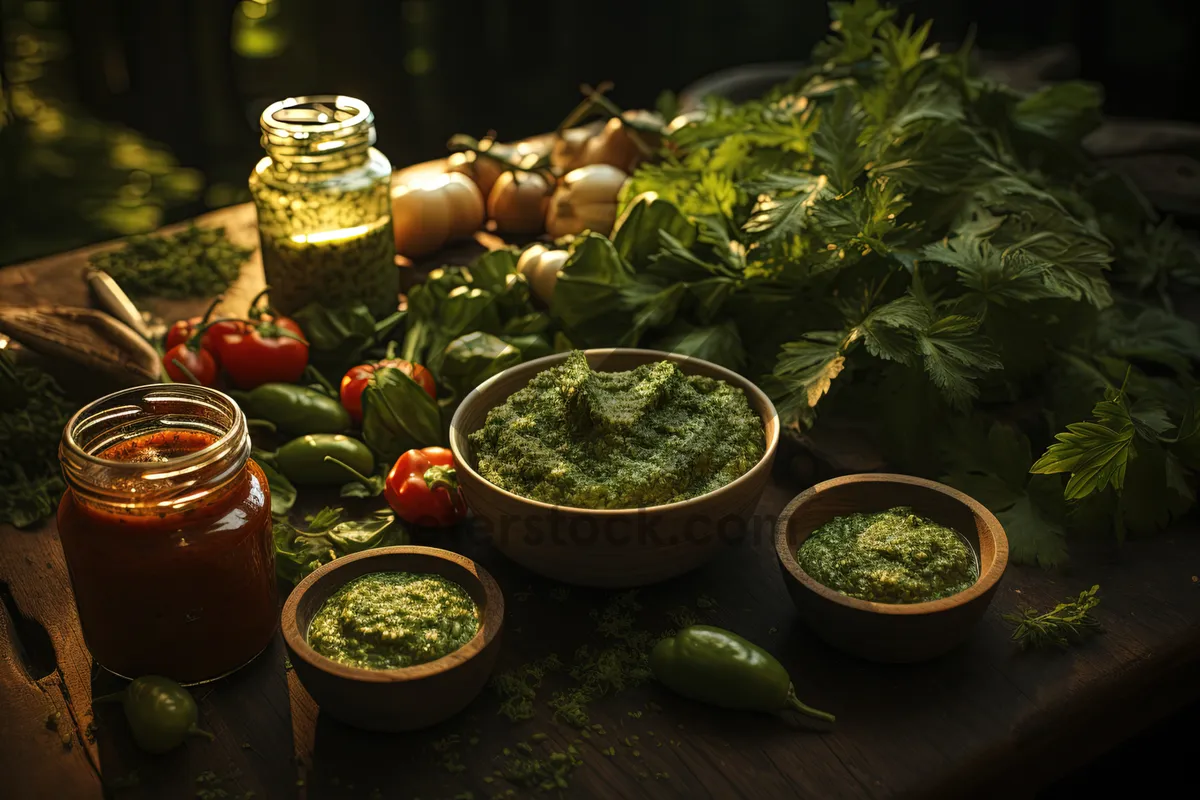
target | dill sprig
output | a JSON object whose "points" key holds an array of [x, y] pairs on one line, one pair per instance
{"points": [[1067, 623]]}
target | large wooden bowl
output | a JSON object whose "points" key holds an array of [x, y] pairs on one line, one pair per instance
{"points": [[395, 699], [891, 632], [610, 547]]}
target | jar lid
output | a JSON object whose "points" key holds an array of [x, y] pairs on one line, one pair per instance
{"points": [[314, 127]]}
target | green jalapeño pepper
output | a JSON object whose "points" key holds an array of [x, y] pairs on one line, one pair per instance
{"points": [[717, 666], [302, 460], [161, 713], [294, 409]]}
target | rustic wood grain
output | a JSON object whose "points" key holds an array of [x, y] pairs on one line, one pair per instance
{"points": [[982, 714]]}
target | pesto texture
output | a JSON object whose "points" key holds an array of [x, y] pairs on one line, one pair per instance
{"points": [[388, 620], [645, 437], [893, 556]]}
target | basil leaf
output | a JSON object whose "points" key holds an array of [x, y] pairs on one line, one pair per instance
{"points": [[354, 537], [472, 359], [339, 337], [588, 295], [398, 415], [637, 235]]}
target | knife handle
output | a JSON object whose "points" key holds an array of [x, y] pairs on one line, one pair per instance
{"points": [[113, 299]]}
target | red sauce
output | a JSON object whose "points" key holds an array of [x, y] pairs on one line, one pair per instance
{"points": [[187, 594]]}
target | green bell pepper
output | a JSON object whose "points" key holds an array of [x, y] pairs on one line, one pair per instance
{"points": [[719, 667]]}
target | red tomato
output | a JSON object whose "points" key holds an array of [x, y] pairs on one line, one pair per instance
{"points": [[356, 380], [272, 350], [199, 362], [422, 488], [184, 329]]}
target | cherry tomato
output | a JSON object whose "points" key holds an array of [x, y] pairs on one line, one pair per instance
{"points": [[184, 329], [422, 488], [273, 350], [356, 380], [195, 360]]}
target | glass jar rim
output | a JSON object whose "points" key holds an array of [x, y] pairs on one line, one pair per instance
{"points": [[310, 141], [175, 476], [362, 113]]}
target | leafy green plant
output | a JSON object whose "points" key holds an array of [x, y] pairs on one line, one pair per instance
{"points": [[891, 242]]}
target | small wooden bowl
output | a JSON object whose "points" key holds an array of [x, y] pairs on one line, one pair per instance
{"points": [[610, 548], [890, 632], [395, 699]]}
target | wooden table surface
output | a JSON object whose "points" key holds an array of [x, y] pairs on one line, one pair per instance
{"points": [[985, 719]]}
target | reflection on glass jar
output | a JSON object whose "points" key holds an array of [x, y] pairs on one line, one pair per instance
{"points": [[324, 215], [166, 528]]}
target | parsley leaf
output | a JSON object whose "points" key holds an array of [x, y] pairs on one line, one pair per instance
{"points": [[1095, 452]]}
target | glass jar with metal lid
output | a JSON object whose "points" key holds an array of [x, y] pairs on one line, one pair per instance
{"points": [[324, 212]]}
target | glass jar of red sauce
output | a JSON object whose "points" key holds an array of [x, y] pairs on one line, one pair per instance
{"points": [[166, 527]]}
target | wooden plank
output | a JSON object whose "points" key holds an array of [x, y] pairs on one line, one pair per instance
{"points": [[985, 715]]}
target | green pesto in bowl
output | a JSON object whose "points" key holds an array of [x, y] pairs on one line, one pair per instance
{"points": [[390, 620], [645, 437], [892, 556]]}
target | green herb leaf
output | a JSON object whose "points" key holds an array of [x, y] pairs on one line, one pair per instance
{"points": [[1069, 622], [283, 493], [398, 415], [1095, 453]]}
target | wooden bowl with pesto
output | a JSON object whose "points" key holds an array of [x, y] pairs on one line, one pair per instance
{"points": [[615, 467], [890, 567], [394, 639]]}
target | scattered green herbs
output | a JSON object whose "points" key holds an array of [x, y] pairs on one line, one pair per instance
{"points": [[518, 687], [33, 412], [543, 774], [196, 262], [599, 671], [299, 552], [1069, 622]]}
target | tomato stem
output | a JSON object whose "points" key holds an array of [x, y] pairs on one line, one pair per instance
{"points": [[211, 308], [460, 142], [187, 373], [254, 302]]}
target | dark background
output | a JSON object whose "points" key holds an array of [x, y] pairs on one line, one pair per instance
{"points": [[122, 115]]}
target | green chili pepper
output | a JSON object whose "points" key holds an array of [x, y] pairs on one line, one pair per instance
{"points": [[294, 409], [302, 460], [717, 666], [161, 713]]}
